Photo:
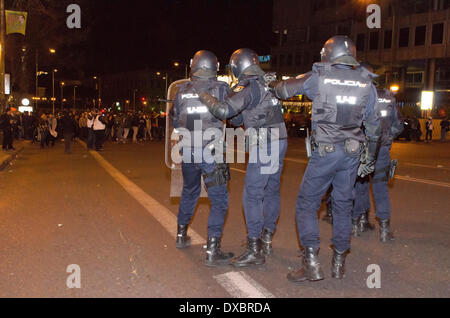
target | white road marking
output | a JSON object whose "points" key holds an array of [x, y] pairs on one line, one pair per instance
{"points": [[163, 215], [301, 161], [403, 178], [240, 285], [239, 170], [426, 166], [429, 182]]}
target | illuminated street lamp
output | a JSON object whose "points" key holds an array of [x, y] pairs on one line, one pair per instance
{"points": [[52, 51], [177, 64], [394, 88]]}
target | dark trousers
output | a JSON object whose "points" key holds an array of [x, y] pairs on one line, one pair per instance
{"points": [[261, 197], [44, 138], [90, 139], [218, 196], [338, 169], [99, 139], [380, 181], [7, 139], [68, 141], [429, 134]]}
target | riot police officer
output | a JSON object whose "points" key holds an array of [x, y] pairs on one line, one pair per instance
{"points": [[253, 104], [191, 115], [343, 99], [391, 126]]}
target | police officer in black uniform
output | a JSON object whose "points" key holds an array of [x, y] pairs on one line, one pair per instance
{"points": [[192, 116], [391, 126], [343, 100], [253, 104]]}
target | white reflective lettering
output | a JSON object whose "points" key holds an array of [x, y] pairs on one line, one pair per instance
{"points": [[197, 110], [346, 100], [344, 83], [189, 96]]}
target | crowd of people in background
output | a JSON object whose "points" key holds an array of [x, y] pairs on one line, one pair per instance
{"points": [[93, 126], [413, 129]]}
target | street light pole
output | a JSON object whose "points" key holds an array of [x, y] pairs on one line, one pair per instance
{"points": [[134, 99], [393, 55], [2, 56], [62, 95], [167, 79], [37, 82], [53, 89], [99, 93], [74, 97]]}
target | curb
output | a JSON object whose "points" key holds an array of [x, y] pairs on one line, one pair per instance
{"points": [[5, 162]]}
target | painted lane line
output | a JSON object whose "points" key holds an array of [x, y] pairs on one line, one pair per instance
{"points": [[238, 170], [403, 178], [426, 166], [163, 215], [240, 285], [236, 284], [429, 182], [301, 161]]}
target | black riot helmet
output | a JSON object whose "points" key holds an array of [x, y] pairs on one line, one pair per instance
{"points": [[339, 49], [204, 64], [242, 60]]}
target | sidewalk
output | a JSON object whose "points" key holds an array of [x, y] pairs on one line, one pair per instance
{"points": [[7, 157]]}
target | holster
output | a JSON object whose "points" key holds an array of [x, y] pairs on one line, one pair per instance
{"points": [[393, 168], [221, 175]]}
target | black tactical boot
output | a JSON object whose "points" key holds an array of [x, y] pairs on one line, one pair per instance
{"points": [[355, 227], [253, 255], [266, 238], [364, 224], [214, 256], [338, 264], [385, 231], [310, 270], [183, 240]]}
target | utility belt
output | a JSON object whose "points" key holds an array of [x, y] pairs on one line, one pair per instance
{"points": [[351, 147]]}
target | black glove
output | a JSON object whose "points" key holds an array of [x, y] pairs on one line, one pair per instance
{"points": [[269, 78], [366, 168], [368, 158]]}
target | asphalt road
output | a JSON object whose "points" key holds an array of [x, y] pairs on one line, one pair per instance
{"points": [[111, 215]]}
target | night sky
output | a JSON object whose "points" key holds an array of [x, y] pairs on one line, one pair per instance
{"points": [[131, 34]]}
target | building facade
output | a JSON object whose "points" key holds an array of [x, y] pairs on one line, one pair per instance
{"points": [[415, 56]]}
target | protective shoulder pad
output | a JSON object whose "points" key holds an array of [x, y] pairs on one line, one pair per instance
{"points": [[366, 73], [322, 65]]}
